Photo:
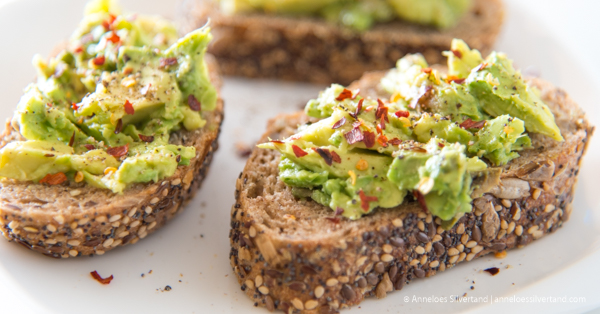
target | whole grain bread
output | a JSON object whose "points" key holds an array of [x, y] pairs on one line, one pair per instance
{"points": [[75, 219], [313, 50], [294, 255]]}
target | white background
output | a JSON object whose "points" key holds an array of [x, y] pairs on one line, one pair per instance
{"points": [[559, 38]]}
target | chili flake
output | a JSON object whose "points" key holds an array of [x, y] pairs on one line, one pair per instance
{"points": [[194, 103], [339, 124], [336, 157], [345, 94], [402, 114], [129, 107], [426, 70], [421, 199], [104, 281], [114, 38], [365, 200], [325, 154], [354, 136], [146, 138], [470, 124], [119, 126], [72, 140], [457, 53], [395, 141], [89, 146], [167, 62], [299, 152], [54, 179], [118, 151], [369, 139], [358, 109], [99, 60]]}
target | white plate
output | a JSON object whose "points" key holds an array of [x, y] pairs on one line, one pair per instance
{"points": [[191, 253]]}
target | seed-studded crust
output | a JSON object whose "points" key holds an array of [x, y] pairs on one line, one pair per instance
{"points": [[311, 49], [76, 219], [288, 257]]}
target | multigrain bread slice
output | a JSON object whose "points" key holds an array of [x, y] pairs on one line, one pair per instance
{"points": [[288, 256], [75, 219], [313, 50]]}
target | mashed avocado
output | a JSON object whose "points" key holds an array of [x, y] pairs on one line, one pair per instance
{"points": [[103, 109], [359, 14], [434, 134]]}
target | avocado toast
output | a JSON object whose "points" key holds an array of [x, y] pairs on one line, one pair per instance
{"points": [[293, 251], [114, 138], [303, 47]]}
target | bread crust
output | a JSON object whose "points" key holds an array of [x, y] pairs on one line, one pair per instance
{"points": [[75, 219], [313, 50], [287, 256]]}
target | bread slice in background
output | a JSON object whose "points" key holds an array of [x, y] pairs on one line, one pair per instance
{"points": [[314, 50], [292, 254], [74, 219]]}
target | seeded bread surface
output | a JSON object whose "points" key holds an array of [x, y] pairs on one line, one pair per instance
{"points": [[313, 50], [75, 219], [288, 257]]}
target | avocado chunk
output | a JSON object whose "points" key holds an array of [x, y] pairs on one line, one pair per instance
{"points": [[103, 110]]}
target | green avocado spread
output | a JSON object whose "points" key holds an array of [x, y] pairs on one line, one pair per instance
{"points": [[103, 109], [359, 14], [435, 135]]}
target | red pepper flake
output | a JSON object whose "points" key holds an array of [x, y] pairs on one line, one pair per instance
{"points": [[356, 92], [194, 103], [354, 136], [49, 155], [78, 49], [481, 67], [104, 281], [382, 113], [457, 53], [119, 126], [89, 146], [364, 200], [369, 139], [426, 70], [456, 80], [326, 154], [146, 138], [339, 211], [335, 220], [118, 151], [167, 62], [129, 107], [421, 199], [106, 25], [402, 114], [177, 159], [419, 149], [492, 271], [382, 140], [276, 142], [425, 94], [336, 157], [395, 141], [99, 60], [345, 94], [339, 124], [75, 106], [358, 109], [114, 38], [470, 124], [72, 140], [49, 104], [440, 145], [111, 18], [378, 128], [299, 152], [54, 179]]}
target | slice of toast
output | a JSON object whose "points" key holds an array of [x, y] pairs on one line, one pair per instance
{"points": [[293, 254], [75, 219], [313, 50]]}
